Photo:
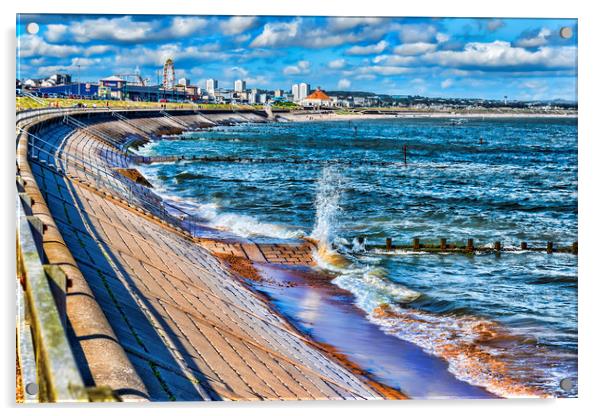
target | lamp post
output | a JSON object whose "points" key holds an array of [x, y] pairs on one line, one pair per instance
{"points": [[79, 80]]}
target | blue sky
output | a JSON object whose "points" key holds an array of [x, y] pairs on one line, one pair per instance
{"points": [[523, 59]]}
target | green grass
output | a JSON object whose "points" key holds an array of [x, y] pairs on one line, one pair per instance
{"points": [[26, 103]]}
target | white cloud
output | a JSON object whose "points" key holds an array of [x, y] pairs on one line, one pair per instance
{"points": [[182, 26], [337, 64], [414, 33], [242, 38], [417, 48], [441, 37], [277, 33], [495, 24], [539, 40], [35, 46], [346, 23], [237, 24], [394, 60], [97, 49], [157, 56], [302, 67], [368, 49], [55, 32], [446, 83], [344, 84], [304, 32], [502, 55], [383, 70], [124, 29]]}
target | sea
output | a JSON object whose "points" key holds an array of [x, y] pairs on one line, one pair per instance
{"points": [[504, 322]]}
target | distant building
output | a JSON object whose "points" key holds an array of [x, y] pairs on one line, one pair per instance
{"points": [[278, 93], [32, 83], [211, 86], [295, 92], [318, 98], [112, 87], [263, 98], [184, 82], [252, 98], [240, 85], [303, 90]]}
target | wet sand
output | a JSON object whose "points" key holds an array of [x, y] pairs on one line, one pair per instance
{"points": [[326, 314]]}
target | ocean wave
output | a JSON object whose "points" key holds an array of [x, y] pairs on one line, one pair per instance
{"points": [[212, 215]]}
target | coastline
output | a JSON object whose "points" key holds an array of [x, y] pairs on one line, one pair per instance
{"points": [[502, 386], [334, 352], [333, 116], [184, 322]]}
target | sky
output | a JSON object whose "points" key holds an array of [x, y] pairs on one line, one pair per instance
{"points": [[490, 58]]}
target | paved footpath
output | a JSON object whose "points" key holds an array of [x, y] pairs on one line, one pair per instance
{"points": [[191, 329]]}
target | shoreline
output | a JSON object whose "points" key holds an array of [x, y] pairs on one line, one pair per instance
{"points": [[255, 272], [183, 321], [255, 276], [333, 116]]}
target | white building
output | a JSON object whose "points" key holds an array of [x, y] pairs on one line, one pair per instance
{"points": [[240, 85], [252, 98], [277, 93], [263, 98], [303, 90], [184, 81], [211, 86], [295, 91]]}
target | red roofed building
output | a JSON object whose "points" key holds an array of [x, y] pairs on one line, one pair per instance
{"points": [[318, 98]]}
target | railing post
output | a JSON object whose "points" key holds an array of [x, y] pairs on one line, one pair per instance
{"points": [[58, 285]]}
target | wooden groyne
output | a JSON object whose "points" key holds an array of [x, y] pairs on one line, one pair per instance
{"points": [[467, 247]]}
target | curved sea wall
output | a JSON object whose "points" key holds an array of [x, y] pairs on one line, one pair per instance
{"points": [[150, 313]]}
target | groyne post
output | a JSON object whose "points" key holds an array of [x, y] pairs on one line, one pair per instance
{"points": [[574, 248], [470, 245], [405, 154], [523, 245], [416, 244], [443, 244], [497, 246], [389, 243], [550, 247]]}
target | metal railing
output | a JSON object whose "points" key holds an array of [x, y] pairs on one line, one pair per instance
{"points": [[94, 132], [111, 181], [126, 120], [49, 371], [173, 119]]}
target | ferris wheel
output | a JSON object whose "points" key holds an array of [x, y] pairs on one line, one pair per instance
{"points": [[169, 75]]}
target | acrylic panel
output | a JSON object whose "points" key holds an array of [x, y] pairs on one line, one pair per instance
{"points": [[295, 208]]}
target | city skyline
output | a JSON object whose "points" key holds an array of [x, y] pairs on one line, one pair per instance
{"points": [[523, 59]]}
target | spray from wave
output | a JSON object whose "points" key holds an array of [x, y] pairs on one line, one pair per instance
{"points": [[212, 216], [477, 350]]}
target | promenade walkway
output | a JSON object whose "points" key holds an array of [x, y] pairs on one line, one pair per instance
{"points": [[188, 327]]}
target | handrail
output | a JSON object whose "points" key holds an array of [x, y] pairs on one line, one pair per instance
{"points": [[123, 187], [81, 125], [126, 120], [120, 185], [57, 377], [175, 120]]}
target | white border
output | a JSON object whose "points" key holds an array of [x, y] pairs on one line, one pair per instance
{"points": [[590, 177]]}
